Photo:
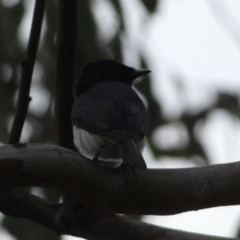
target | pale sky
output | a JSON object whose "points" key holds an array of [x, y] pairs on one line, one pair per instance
{"points": [[185, 41]]}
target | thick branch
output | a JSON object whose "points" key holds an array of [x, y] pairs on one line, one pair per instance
{"points": [[27, 70], [155, 191], [84, 223]]}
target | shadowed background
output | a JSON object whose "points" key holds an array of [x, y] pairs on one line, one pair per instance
{"points": [[192, 95]]}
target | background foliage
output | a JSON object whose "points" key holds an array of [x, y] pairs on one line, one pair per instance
{"points": [[92, 44]]}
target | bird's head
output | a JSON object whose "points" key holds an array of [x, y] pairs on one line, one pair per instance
{"points": [[106, 70]]}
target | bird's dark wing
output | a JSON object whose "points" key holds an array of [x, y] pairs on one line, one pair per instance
{"points": [[101, 115], [137, 121], [102, 118], [98, 117], [113, 110]]}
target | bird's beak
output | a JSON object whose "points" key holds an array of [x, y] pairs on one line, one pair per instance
{"points": [[140, 72]]}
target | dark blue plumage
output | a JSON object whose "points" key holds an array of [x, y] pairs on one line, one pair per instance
{"points": [[109, 119]]}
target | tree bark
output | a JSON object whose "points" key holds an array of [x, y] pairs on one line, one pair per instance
{"points": [[155, 191], [86, 223], [27, 71], [65, 72]]}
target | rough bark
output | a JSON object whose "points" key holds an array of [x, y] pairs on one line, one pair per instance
{"points": [[155, 191], [85, 222]]}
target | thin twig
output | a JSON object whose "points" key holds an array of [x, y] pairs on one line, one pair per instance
{"points": [[26, 74]]}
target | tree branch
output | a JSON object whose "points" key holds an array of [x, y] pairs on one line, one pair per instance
{"points": [[26, 74], [155, 191], [66, 54], [20, 204], [87, 224]]}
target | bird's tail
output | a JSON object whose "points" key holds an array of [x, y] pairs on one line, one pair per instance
{"points": [[131, 155]]}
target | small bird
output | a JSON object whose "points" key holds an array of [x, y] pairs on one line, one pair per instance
{"points": [[109, 118]]}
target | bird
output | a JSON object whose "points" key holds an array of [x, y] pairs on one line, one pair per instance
{"points": [[109, 118]]}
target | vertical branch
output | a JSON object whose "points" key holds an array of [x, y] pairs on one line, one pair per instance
{"points": [[66, 54], [26, 74], [66, 49]]}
